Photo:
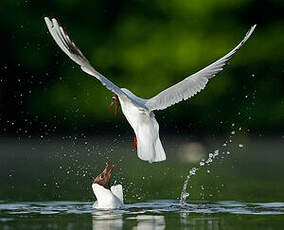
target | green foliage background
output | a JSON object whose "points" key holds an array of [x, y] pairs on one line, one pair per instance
{"points": [[145, 46]]}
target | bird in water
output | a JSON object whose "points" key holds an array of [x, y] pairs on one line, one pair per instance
{"points": [[108, 197], [138, 111]]}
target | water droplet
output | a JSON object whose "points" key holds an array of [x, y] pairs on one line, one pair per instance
{"points": [[241, 145], [185, 195]]}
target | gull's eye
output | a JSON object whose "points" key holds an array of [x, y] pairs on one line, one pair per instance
{"points": [[101, 177]]}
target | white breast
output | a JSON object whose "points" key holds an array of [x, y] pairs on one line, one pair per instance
{"points": [[106, 198], [146, 128]]}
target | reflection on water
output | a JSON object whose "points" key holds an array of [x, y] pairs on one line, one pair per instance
{"points": [[109, 221], [200, 223], [149, 222]]}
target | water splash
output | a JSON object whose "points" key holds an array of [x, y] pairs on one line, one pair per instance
{"points": [[212, 156], [193, 171], [208, 161]]}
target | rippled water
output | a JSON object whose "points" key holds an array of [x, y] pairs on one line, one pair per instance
{"points": [[56, 171], [157, 214]]}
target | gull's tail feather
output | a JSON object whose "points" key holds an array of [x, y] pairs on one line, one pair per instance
{"points": [[151, 153], [160, 152], [149, 146]]}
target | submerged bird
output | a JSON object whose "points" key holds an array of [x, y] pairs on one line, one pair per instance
{"points": [[139, 111], [107, 197]]}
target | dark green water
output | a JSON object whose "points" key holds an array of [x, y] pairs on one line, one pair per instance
{"points": [[46, 184], [158, 214]]}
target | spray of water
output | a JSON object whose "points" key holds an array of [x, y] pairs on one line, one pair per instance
{"points": [[193, 171], [212, 156]]}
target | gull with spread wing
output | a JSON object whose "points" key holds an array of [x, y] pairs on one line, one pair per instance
{"points": [[139, 111]]}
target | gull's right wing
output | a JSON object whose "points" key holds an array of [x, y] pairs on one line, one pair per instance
{"points": [[68, 46], [194, 83]]}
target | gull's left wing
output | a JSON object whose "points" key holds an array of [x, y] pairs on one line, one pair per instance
{"points": [[194, 83], [117, 191], [68, 47]]}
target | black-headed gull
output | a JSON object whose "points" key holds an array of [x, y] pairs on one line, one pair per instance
{"points": [[107, 197], [139, 111]]}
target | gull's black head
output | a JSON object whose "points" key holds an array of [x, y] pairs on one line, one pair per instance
{"points": [[104, 177]]}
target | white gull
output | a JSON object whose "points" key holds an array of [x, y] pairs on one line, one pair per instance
{"points": [[139, 111]]}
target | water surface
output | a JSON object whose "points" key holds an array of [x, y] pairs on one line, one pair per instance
{"points": [[156, 214], [241, 190]]}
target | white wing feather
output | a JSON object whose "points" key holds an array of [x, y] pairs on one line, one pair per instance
{"points": [[117, 191], [64, 42], [194, 83]]}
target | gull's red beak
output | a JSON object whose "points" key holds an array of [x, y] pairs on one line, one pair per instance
{"points": [[106, 168]]}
